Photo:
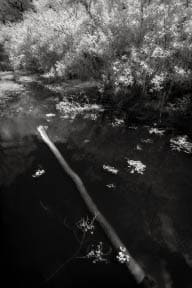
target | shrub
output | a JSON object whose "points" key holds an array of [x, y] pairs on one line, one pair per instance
{"points": [[142, 49], [41, 39]]}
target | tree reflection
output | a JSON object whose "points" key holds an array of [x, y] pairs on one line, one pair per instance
{"points": [[15, 159]]}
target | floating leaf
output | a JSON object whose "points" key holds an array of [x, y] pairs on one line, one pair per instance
{"points": [[38, 173], [49, 115], [147, 141], [156, 131], [136, 166], [111, 186], [117, 122], [181, 143], [139, 148], [110, 169], [133, 127]]}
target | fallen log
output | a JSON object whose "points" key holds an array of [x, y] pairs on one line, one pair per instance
{"points": [[134, 268]]}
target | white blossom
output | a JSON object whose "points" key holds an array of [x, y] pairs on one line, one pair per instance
{"points": [[123, 256], [96, 254], [86, 225]]}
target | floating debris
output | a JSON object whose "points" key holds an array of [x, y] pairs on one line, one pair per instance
{"points": [[147, 141], [111, 186], [65, 117], [72, 109], [44, 206], [86, 141], [20, 109], [86, 225], [139, 148], [118, 122], [49, 115], [96, 254], [156, 131], [181, 143], [133, 127], [110, 169], [136, 166], [38, 173], [91, 116], [122, 256]]}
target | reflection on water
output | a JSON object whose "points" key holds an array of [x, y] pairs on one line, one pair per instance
{"points": [[15, 159], [150, 210]]}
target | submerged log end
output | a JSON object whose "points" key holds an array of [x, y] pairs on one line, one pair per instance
{"points": [[143, 280], [148, 282]]}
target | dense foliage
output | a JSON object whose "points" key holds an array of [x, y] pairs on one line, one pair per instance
{"points": [[12, 10], [140, 49]]}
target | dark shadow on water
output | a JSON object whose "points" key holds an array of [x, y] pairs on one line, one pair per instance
{"points": [[146, 210], [39, 91], [35, 241]]}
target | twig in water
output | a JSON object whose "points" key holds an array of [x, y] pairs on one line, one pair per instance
{"points": [[62, 266]]}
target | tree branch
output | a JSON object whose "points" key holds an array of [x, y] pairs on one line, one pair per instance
{"points": [[133, 267]]}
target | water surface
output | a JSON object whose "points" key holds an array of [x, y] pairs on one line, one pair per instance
{"points": [[150, 208]]}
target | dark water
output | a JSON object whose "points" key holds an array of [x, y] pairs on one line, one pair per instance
{"points": [[151, 211]]}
